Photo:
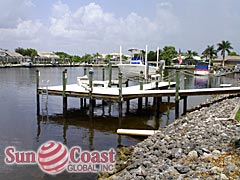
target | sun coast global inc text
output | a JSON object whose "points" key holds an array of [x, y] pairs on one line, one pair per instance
{"points": [[54, 157]]}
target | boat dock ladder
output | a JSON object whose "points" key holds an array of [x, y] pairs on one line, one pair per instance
{"points": [[44, 93]]}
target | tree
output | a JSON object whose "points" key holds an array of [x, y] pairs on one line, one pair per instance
{"points": [[224, 47], [86, 58], [63, 55], [108, 58], [168, 54], [75, 58], [31, 52], [152, 56], [26, 52], [233, 54], [97, 55], [190, 54], [210, 53], [20, 51]]}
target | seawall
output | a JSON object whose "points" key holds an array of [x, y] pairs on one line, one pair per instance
{"points": [[201, 145]]}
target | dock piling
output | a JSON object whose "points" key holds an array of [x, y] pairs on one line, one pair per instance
{"points": [[110, 74], [120, 86], [37, 94], [141, 78], [177, 94], [120, 99], [64, 81], [91, 102]]}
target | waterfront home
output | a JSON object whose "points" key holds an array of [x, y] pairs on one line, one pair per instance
{"points": [[229, 61], [9, 56]]}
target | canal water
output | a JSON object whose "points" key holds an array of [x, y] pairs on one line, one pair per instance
{"points": [[22, 128]]}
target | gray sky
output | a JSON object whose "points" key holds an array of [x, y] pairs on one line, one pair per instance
{"points": [[79, 27]]}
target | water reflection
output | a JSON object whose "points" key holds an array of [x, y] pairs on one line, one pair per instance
{"points": [[105, 118], [201, 82]]}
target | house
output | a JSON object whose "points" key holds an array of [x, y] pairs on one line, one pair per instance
{"points": [[115, 57], [48, 55], [4, 53], [10, 57], [229, 61]]}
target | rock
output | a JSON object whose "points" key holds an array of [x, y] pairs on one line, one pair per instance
{"points": [[216, 170], [223, 177], [192, 155], [182, 169], [216, 152], [189, 148], [141, 171], [229, 168]]}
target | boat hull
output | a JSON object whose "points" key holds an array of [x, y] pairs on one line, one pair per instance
{"points": [[201, 72], [131, 70]]}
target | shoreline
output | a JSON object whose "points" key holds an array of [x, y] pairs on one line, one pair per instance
{"points": [[50, 65], [183, 150]]}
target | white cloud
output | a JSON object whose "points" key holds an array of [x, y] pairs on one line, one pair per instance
{"points": [[90, 24], [90, 28], [14, 10], [25, 31]]}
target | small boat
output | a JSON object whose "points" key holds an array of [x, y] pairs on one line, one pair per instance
{"points": [[202, 68], [136, 65], [27, 63]]}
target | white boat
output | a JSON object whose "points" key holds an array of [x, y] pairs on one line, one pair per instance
{"points": [[27, 63], [136, 65]]}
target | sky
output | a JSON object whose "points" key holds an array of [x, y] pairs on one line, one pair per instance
{"points": [[80, 27]]}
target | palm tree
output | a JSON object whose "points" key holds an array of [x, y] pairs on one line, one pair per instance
{"points": [[210, 53], [190, 55], [223, 47]]}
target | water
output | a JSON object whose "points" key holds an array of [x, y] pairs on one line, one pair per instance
{"points": [[22, 128]]}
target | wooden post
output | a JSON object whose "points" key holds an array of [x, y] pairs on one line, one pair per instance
{"points": [[90, 93], [159, 99], [81, 103], [120, 86], [146, 64], [177, 94], [184, 105], [127, 101], [146, 101], [64, 81], [141, 77], [37, 94], [84, 99], [120, 94], [110, 74], [177, 85], [120, 99]]}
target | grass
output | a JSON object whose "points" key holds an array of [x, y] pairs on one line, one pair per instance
{"points": [[237, 117]]}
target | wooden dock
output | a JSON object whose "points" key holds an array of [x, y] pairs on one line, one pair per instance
{"points": [[98, 90]]}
